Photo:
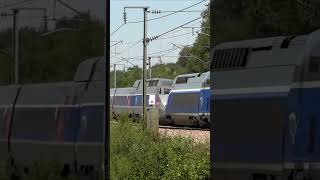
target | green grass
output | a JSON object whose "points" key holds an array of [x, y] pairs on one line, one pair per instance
{"points": [[138, 154]]}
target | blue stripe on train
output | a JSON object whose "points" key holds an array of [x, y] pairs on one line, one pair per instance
{"points": [[204, 101], [91, 124]]}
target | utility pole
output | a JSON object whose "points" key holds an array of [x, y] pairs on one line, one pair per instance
{"points": [[145, 42], [144, 72], [16, 45], [149, 63], [115, 75], [106, 123], [16, 38]]}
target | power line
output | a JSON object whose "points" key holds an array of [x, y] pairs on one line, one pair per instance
{"points": [[175, 12], [174, 36], [15, 4], [156, 37], [128, 48], [117, 29], [160, 11], [157, 52]]}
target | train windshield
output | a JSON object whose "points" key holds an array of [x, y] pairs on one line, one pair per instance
{"points": [[207, 83], [153, 83], [166, 91], [182, 80]]}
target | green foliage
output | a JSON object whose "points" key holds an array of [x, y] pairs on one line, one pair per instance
{"points": [[54, 57], [247, 19], [138, 154], [196, 58], [38, 171]]}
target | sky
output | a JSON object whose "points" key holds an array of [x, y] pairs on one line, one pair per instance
{"points": [[129, 34], [34, 18]]}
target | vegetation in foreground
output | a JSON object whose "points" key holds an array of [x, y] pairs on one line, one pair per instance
{"points": [[138, 154]]}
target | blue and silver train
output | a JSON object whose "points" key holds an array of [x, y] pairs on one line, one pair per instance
{"points": [[265, 102], [129, 100], [55, 122], [185, 101], [189, 101]]}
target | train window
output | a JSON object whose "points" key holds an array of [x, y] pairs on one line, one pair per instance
{"points": [[182, 80], [265, 48], [153, 83], [314, 65], [120, 101], [207, 83], [166, 91], [35, 124]]}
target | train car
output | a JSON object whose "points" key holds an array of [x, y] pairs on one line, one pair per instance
{"points": [[91, 103], [121, 101], [265, 105], [55, 122], [188, 103], [157, 93], [8, 95]]}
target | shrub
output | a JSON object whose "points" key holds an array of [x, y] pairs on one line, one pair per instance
{"points": [[138, 154]]}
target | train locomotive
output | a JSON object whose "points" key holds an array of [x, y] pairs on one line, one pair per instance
{"points": [[55, 122], [189, 101], [265, 100], [185, 101], [129, 100]]}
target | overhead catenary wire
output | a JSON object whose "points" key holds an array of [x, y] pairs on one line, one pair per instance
{"points": [[128, 48], [170, 37], [181, 10], [167, 50], [162, 34], [117, 29], [15, 4]]}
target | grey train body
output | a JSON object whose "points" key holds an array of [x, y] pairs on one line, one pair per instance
{"points": [[265, 104], [56, 122]]}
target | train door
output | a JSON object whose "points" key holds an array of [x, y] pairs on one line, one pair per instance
{"points": [[304, 119], [204, 105]]}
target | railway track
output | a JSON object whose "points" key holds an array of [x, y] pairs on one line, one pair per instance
{"points": [[197, 134], [184, 128]]}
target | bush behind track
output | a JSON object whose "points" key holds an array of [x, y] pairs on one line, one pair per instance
{"points": [[138, 154]]}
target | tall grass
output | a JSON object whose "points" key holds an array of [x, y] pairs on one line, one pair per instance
{"points": [[138, 154]]}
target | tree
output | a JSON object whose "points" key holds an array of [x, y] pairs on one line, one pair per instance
{"points": [[55, 57]]}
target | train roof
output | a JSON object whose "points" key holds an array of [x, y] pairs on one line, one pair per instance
{"points": [[155, 82], [92, 69], [262, 62], [47, 93], [180, 81], [124, 91], [195, 82]]}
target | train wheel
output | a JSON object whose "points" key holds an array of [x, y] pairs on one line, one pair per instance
{"points": [[12, 170], [299, 175]]}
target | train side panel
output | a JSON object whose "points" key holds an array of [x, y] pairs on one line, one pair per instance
{"points": [[44, 125], [8, 95]]}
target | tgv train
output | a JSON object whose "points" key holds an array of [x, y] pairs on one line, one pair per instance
{"points": [[55, 122], [129, 100], [185, 101], [266, 109], [189, 101]]}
